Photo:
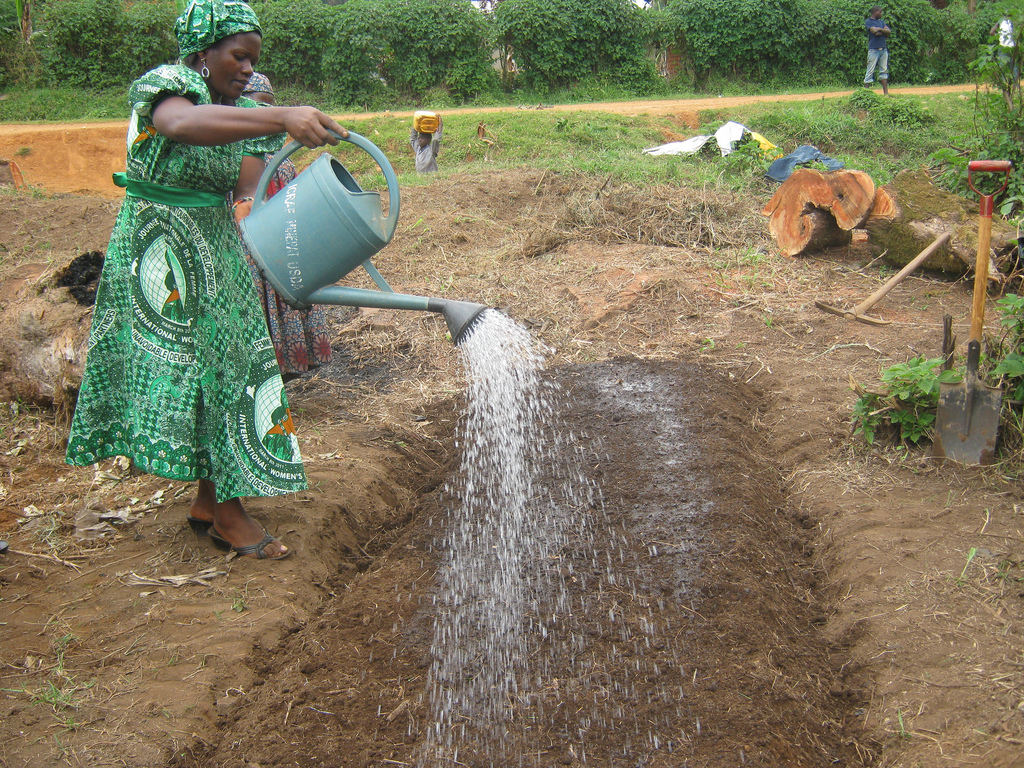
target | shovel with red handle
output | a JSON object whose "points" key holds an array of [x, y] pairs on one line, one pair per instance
{"points": [[967, 422]]}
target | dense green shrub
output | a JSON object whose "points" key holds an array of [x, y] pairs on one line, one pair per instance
{"points": [[561, 42], [959, 35], [8, 18], [104, 43], [741, 38], [353, 58], [433, 43], [295, 35], [819, 41], [999, 121], [147, 36], [891, 113], [408, 49], [364, 52], [18, 62]]}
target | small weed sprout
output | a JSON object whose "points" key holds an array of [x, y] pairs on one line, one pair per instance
{"points": [[899, 717], [970, 557]]}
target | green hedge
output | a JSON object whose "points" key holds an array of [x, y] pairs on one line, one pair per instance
{"points": [[373, 52], [103, 43], [561, 42], [295, 36], [813, 42]]}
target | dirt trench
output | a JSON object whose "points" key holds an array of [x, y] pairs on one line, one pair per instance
{"points": [[717, 659]]}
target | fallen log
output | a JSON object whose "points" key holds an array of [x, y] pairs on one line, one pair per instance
{"points": [[814, 209], [884, 207], [923, 211]]}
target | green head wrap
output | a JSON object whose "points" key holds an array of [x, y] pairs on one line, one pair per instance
{"points": [[205, 22]]}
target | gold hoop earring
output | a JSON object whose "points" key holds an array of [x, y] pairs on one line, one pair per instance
{"points": [[205, 71]]}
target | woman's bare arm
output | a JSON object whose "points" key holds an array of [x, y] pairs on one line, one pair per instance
{"points": [[210, 125]]}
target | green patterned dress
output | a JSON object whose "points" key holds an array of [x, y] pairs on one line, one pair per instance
{"points": [[181, 374]]}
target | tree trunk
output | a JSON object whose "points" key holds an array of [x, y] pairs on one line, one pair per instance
{"points": [[814, 210], [25, 18], [921, 212], [43, 339]]}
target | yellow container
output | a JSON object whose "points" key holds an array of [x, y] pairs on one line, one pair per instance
{"points": [[425, 122]]}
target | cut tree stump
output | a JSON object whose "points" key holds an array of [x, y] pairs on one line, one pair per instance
{"points": [[819, 209], [44, 333]]}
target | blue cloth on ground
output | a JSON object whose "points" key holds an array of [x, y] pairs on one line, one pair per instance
{"points": [[783, 168]]}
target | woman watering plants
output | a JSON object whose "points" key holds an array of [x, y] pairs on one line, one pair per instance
{"points": [[181, 375]]}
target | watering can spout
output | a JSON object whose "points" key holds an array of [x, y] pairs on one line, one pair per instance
{"points": [[461, 316]]}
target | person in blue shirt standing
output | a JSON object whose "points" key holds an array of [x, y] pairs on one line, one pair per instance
{"points": [[878, 49]]}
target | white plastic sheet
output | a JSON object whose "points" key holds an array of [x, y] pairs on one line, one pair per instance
{"points": [[726, 136]]}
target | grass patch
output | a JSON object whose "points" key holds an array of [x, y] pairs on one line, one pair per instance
{"points": [[880, 139], [63, 105]]}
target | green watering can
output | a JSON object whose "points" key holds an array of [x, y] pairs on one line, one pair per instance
{"points": [[323, 225]]}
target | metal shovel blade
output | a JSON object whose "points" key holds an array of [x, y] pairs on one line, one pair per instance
{"points": [[967, 422]]}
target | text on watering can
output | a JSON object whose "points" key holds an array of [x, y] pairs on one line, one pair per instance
{"points": [[291, 239]]}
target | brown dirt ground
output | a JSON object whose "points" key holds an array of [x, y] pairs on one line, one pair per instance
{"points": [[836, 616]]}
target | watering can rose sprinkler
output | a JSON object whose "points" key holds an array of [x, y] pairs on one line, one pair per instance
{"points": [[323, 225]]}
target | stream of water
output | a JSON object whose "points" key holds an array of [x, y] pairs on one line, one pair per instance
{"points": [[501, 589], [543, 636]]}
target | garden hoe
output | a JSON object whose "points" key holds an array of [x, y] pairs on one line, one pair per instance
{"points": [[858, 312], [968, 417]]}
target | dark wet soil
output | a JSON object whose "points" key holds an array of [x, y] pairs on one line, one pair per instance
{"points": [[705, 661], [82, 276]]}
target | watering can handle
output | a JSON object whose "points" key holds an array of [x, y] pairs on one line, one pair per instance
{"points": [[364, 144]]}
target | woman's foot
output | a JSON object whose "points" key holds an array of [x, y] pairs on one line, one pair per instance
{"points": [[261, 550], [231, 524]]}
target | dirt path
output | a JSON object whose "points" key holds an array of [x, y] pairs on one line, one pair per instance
{"points": [[79, 158]]}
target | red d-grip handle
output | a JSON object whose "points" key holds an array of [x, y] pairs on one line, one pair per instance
{"points": [[983, 166], [988, 166]]}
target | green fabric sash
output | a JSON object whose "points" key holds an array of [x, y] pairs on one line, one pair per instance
{"points": [[176, 196]]}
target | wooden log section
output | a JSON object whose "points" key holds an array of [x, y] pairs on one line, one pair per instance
{"points": [[921, 211], [814, 210]]}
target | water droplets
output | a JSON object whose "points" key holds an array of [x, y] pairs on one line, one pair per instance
{"points": [[548, 624]]}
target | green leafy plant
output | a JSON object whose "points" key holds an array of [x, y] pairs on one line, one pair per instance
{"points": [[999, 120], [748, 159], [865, 99], [893, 112], [907, 404], [1009, 367]]}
